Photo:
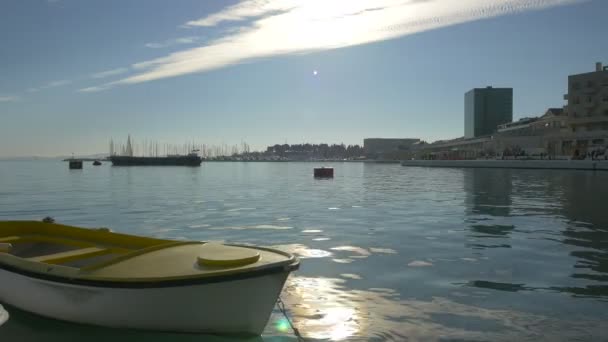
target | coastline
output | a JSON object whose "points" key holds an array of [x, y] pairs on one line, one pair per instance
{"points": [[591, 165], [307, 161]]}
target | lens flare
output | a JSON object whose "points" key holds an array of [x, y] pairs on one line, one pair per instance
{"points": [[282, 325]]}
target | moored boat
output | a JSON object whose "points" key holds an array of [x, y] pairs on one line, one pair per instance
{"points": [[190, 159], [98, 277], [3, 315]]}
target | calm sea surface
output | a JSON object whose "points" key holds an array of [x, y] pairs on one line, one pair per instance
{"points": [[389, 252]]}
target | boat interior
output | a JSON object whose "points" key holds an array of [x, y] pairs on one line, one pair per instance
{"points": [[102, 254], [80, 248]]}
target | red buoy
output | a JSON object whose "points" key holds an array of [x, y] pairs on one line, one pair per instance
{"points": [[324, 172]]}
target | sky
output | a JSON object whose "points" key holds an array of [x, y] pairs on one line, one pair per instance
{"points": [[74, 74]]}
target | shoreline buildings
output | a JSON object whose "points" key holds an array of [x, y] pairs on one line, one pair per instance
{"points": [[576, 130], [485, 109], [385, 148]]}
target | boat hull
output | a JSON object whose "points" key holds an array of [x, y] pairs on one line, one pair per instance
{"points": [[188, 160], [240, 306]]}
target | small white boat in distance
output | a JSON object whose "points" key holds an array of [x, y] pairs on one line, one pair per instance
{"points": [[94, 276], [3, 315]]}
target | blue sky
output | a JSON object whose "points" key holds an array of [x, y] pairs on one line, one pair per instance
{"points": [[74, 74]]}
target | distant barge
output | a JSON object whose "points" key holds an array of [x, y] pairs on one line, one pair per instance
{"points": [[181, 160]]}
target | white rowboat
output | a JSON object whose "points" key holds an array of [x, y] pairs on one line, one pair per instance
{"points": [[116, 280]]}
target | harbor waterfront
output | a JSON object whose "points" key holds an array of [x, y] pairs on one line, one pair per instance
{"points": [[589, 165], [388, 252]]}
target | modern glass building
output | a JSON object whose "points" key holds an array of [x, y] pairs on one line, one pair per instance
{"points": [[485, 109]]}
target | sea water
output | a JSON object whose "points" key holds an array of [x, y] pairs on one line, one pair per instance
{"points": [[388, 252]]}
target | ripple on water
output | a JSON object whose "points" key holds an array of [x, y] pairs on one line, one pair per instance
{"points": [[271, 226], [469, 259], [383, 250], [303, 251], [350, 276], [354, 249], [420, 263], [261, 226], [194, 226], [324, 308], [312, 231]]}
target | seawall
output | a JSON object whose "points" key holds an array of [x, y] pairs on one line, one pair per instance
{"points": [[601, 165]]}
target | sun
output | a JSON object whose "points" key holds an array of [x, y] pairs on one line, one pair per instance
{"points": [[315, 72]]}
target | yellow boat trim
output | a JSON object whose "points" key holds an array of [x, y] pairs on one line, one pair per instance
{"points": [[10, 239], [59, 241], [49, 239], [68, 256], [83, 236], [136, 253]]}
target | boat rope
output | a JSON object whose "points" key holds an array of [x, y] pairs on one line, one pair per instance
{"points": [[281, 306]]}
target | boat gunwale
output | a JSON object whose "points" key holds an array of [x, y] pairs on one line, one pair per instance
{"points": [[79, 236], [155, 283]]}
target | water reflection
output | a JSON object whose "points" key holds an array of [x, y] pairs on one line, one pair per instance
{"points": [[491, 230], [496, 199], [498, 286], [327, 309], [488, 192], [303, 251], [488, 196], [26, 327]]}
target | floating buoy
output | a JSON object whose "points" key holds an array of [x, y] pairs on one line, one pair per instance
{"points": [[75, 164], [324, 172]]}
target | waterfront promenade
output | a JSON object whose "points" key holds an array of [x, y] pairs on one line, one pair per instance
{"points": [[513, 164]]}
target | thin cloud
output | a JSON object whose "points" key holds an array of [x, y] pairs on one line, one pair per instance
{"points": [[108, 73], [9, 98], [95, 88], [266, 28], [52, 84], [58, 83], [248, 9], [171, 42]]}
